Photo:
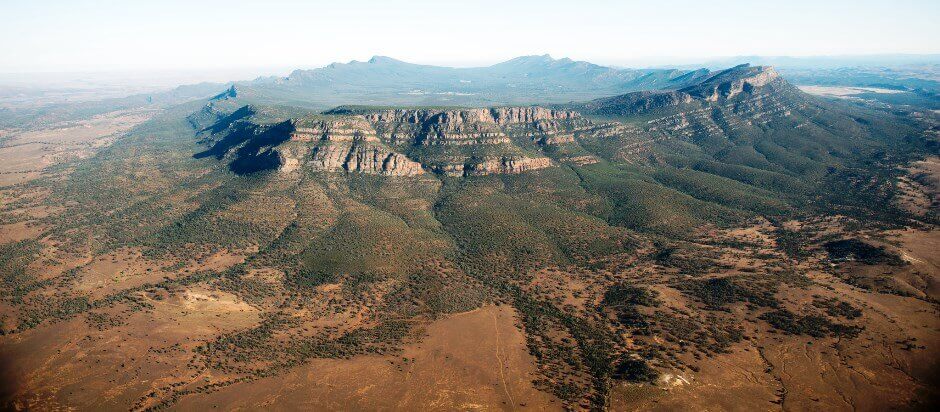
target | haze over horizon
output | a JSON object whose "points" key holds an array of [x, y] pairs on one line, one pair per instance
{"points": [[84, 36]]}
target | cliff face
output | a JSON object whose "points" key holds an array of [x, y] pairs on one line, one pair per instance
{"points": [[728, 112], [501, 116], [410, 142], [347, 144], [470, 126], [734, 81], [362, 158], [741, 86]]}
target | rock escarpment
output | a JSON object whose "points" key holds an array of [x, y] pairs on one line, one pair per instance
{"points": [[740, 86], [734, 81], [362, 158], [728, 112], [471, 126], [347, 144], [403, 142]]}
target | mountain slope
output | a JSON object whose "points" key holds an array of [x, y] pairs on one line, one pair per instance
{"points": [[744, 126]]}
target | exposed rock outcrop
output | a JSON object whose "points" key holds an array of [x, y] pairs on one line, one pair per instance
{"points": [[341, 129], [364, 158], [507, 165], [230, 93], [460, 142], [452, 119], [734, 81], [495, 165], [469, 126]]}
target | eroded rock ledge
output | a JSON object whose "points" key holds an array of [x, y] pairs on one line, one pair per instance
{"points": [[402, 142]]}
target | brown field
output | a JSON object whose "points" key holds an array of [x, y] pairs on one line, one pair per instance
{"points": [[469, 361], [920, 187], [475, 360], [108, 365], [26, 153]]}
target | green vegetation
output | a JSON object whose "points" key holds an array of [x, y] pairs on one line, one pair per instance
{"points": [[854, 249], [811, 325], [837, 308], [718, 293], [17, 282]]}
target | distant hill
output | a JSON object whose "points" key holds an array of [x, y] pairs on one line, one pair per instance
{"points": [[739, 81], [522, 80]]}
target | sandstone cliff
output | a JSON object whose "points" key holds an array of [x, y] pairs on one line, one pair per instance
{"points": [[401, 142], [362, 158]]}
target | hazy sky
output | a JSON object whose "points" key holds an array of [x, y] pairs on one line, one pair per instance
{"points": [[78, 35]]}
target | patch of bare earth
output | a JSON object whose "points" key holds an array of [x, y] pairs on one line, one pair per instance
{"points": [[108, 358], [18, 231], [891, 364], [475, 360], [919, 249], [735, 381], [27, 153], [920, 187]]}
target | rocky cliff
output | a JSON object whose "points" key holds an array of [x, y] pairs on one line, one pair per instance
{"points": [[727, 112], [361, 157], [402, 142], [740, 86], [734, 81]]}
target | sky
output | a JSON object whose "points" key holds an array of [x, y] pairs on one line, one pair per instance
{"points": [[278, 35]]}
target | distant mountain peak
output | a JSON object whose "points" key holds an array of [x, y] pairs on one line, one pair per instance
{"points": [[745, 70], [230, 93], [545, 62], [730, 82], [383, 60], [536, 78], [743, 86], [530, 59]]}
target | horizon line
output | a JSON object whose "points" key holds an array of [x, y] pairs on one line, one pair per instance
{"points": [[606, 62]]}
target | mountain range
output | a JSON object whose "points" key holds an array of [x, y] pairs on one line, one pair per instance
{"points": [[526, 79]]}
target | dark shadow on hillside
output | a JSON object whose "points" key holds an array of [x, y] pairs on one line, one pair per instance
{"points": [[9, 383], [253, 146], [227, 121]]}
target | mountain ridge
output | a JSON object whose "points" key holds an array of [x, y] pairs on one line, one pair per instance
{"points": [[383, 80]]}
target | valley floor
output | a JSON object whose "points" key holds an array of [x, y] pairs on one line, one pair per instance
{"points": [[479, 360]]}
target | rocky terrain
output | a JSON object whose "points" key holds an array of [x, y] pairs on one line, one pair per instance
{"points": [[394, 142]]}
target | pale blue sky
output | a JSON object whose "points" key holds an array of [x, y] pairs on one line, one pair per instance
{"points": [[49, 35]]}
